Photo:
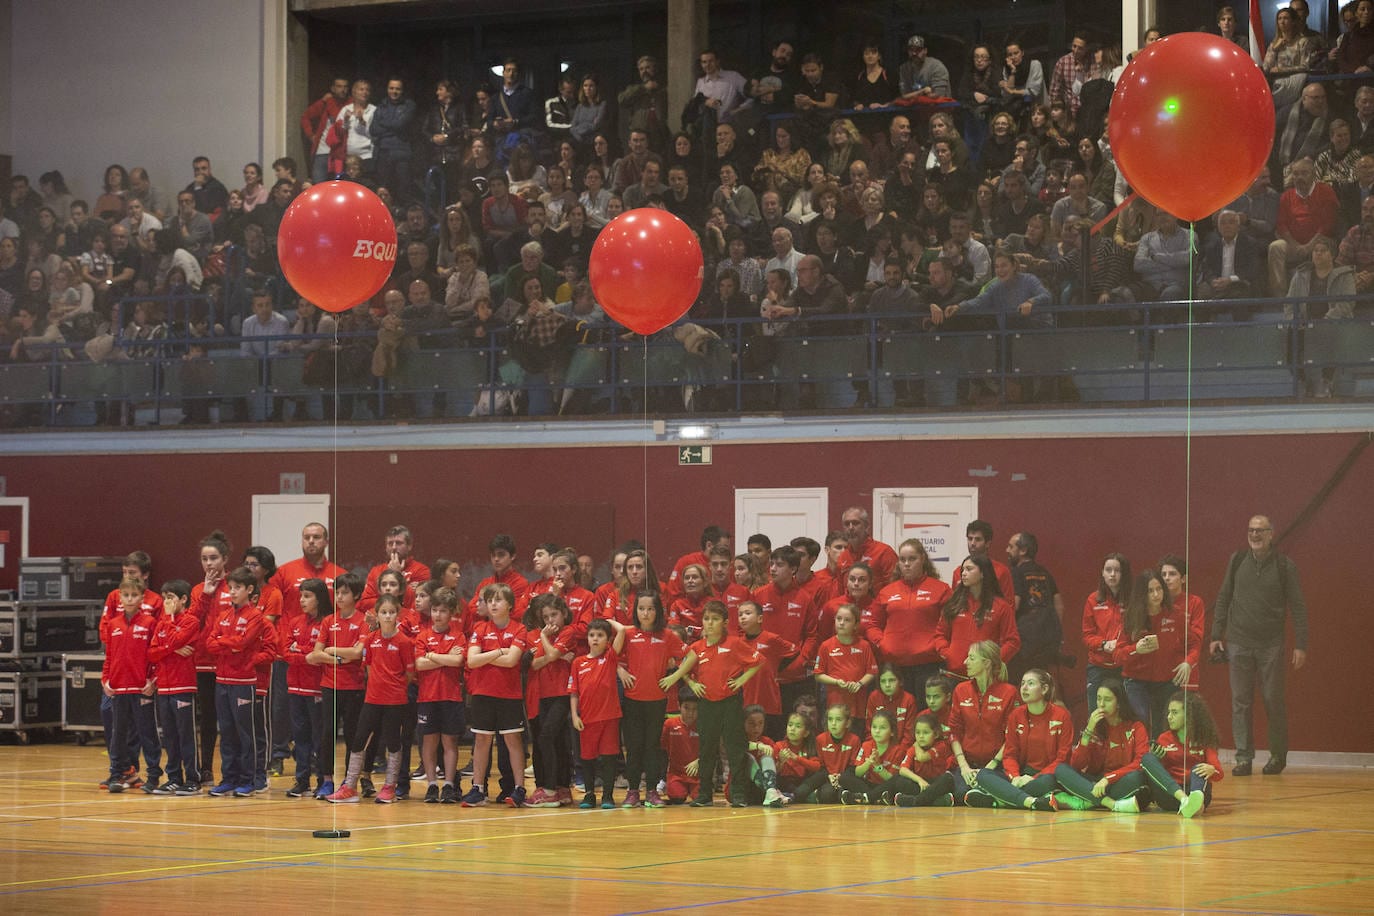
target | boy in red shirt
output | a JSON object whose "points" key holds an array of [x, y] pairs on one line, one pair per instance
{"points": [[790, 610], [440, 654], [234, 641], [764, 690], [128, 681], [496, 700], [682, 746], [723, 664], [501, 551], [303, 678], [339, 653], [596, 708], [390, 659], [172, 654]]}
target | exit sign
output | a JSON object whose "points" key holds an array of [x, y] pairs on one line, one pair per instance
{"points": [[694, 454]]}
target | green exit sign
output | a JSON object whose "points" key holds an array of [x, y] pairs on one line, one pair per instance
{"points": [[694, 454]]}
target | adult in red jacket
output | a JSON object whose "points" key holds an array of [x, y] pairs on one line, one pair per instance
{"points": [[976, 610], [881, 558], [1104, 769], [398, 551], [725, 589], [1039, 738], [314, 563], [1174, 570], [1102, 615], [978, 716], [315, 123], [903, 620], [1153, 650], [858, 591]]}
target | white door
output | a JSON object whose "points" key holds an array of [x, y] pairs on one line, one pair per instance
{"points": [[935, 515], [782, 513], [278, 520]]}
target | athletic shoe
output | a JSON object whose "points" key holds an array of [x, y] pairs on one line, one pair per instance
{"points": [[223, 790], [1070, 802], [325, 790], [244, 792], [565, 796], [542, 798], [1192, 805], [432, 795], [299, 790], [262, 789], [738, 803], [501, 798], [516, 799], [588, 802], [1242, 768], [632, 800], [775, 799], [608, 804], [402, 790], [418, 772], [904, 800], [884, 798], [277, 767], [1045, 803], [662, 787], [386, 795], [345, 796], [853, 798], [701, 801], [1127, 806], [167, 788], [114, 786], [131, 780], [654, 800], [944, 801], [475, 798], [187, 789], [1274, 767], [365, 788], [466, 771], [448, 795], [529, 771]]}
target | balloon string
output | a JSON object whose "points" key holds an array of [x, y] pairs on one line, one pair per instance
{"points": [[1188, 444], [648, 431]]}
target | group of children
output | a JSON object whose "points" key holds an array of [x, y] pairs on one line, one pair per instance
{"points": [[666, 693]]}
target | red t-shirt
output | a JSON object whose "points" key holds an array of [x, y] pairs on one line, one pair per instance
{"points": [[837, 754], [490, 680], [902, 707], [792, 614], [342, 633], [593, 681], [763, 688], [847, 663], [390, 661], [446, 681], [719, 664], [825, 617], [288, 579], [648, 656], [889, 761], [519, 585], [940, 762], [731, 596]]}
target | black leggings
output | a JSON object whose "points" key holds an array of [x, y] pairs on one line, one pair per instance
{"points": [[819, 784], [641, 728], [379, 726], [553, 752], [340, 706], [207, 721]]}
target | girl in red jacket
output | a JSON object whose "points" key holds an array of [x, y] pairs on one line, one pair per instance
{"points": [[1184, 756], [796, 756], [172, 654], [976, 610], [905, 616], [1039, 738], [1102, 615], [858, 591], [1152, 649], [303, 680], [1104, 770], [893, 698], [978, 719], [874, 777], [927, 764]]}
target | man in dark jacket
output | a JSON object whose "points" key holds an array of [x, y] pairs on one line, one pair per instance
{"points": [[391, 130]]}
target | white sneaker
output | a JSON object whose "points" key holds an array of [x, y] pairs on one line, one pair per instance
{"points": [[1127, 806], [773, 798]]}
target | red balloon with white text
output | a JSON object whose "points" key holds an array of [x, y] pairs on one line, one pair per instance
{"points": [[337, 245]]}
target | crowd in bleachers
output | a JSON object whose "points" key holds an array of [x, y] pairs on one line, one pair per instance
{"points": [[937, 195]]}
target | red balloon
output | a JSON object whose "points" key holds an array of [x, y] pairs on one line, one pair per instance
{"points": [[1192, 122], [337, 245], [646, 269]]}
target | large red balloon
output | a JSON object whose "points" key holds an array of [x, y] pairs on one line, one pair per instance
{"points": [[1192, 122], [646, 269], [337, 245]]}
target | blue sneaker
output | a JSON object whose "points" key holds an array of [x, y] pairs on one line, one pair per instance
{"points": [[223, 790], [244, 792], [325, 790], [475, 798]]}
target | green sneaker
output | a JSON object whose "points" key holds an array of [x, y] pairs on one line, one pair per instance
{"points": [[1070, 802]]}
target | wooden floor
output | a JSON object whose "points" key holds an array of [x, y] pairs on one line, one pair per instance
{"points": [[1299, 843]]}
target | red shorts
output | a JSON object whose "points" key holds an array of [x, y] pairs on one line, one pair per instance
{"points": [[600, 739]]}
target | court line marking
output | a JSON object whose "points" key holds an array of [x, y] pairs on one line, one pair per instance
{"points": [[534, 876], [1092, 906], [1289, 890], [73, 887], [347, 851], [966, 871]]}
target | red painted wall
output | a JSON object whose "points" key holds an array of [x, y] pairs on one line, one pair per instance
{"points": [[1082, 498]]}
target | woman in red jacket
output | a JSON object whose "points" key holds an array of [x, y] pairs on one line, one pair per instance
{"points": [[1185, 755], [1151, 650], [1039, 738], [976, 610], [858, 591], [686, 609], [1102, 612], [978, 720], [1104, 770], [903, 619]]}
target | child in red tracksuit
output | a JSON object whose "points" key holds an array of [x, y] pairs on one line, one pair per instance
{"points": [[835, 750], [269, 651], [927, 764], [874, 778], [173, 656], [303, 679], [892, 698], [234, 642], [796, 756], [595, 706], [938, 694], [680, 743], [128, 681]]}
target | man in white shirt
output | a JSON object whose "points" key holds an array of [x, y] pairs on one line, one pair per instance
{"points": [[785, 257], [139, 221], [975, 252], [724, 90]]}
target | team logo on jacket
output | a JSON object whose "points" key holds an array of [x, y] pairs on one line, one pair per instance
{"points": [[182, 704], [244, 702]]}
